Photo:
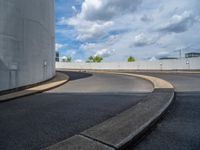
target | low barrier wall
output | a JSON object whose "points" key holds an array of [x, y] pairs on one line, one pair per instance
{"points": [[179, 64]]}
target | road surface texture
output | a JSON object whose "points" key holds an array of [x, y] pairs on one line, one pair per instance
{"points": [[180, 128], [104, 83], [37, 121]]}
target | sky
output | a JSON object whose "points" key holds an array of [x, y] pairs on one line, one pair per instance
{"points": [[117, 29]]}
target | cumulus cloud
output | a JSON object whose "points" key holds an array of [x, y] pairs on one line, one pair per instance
{"points": [[141, 40], [96, 17], [146, 18], [71, 53], [88, 46], [179, 23], [74, 9], [107, 9], [105, 53], [99, 26], [62, 21], [58, 46], [88, 30]]}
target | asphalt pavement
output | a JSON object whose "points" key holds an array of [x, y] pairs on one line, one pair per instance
{"points": [[180, 127], [44, 119], [104, 83], [37, 121]]}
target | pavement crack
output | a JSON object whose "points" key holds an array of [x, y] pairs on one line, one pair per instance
{"points": [[91, 138]]}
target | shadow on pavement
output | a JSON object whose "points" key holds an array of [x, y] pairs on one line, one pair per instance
{"points": [[76, 75]]}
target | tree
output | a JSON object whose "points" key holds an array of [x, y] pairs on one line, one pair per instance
{"points": [[98, 59], [93, 59], [67, 59], [131, 59]]}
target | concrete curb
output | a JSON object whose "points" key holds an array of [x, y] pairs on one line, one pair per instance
{"points": [[58, 80], [128, 126]]}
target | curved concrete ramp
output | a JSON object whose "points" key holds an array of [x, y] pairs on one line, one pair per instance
{"points": [[103, 83], [126, 127]]}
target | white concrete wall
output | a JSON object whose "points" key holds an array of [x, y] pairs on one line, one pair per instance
{"points": [[181, 64], [26, 42]]}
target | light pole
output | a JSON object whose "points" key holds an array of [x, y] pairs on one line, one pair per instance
{"points": [[161, 66], [188, 64]]}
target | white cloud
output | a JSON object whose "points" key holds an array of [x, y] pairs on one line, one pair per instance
{"points": [[146, 18], [107, 9], [96, 17], [141, 40], [179, 23], [74, 9], [58, 46], [157, 26], [105, 53], [70, 52], [87, 30], [62, 21], [88, 46]]}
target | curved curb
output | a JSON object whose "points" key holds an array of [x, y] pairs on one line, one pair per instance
{"points": [[58, 80], [128, 126], [157, 82]]}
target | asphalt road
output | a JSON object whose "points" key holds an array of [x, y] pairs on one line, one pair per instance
{"points": [[180, 128], [104, 83], [44, 119]]}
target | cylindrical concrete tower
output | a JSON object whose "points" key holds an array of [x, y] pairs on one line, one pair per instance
{"points": [[27, 54]]}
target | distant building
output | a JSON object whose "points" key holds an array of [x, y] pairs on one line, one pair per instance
{"points": [[164, 58], [57, 56], [190, 55]]}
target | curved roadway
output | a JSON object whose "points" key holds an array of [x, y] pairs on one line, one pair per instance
{"points": [[37, 121], [40, 120], [180, 128], [103, 83]]}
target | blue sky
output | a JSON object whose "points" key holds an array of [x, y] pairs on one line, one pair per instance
{"points": [[116, 29]]}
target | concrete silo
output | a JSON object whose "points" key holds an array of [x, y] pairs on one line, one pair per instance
{"points": [[27, 54]]}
